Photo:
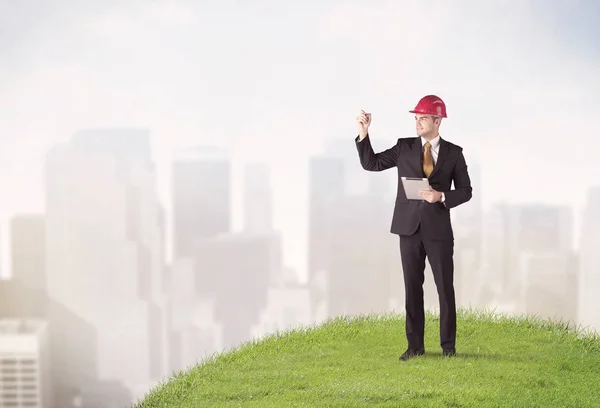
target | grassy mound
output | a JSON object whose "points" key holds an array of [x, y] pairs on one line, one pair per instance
{"points": [[501, 361]]}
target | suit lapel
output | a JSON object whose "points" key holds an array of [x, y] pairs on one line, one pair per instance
{"points": [[442, 154], [416, 158]]}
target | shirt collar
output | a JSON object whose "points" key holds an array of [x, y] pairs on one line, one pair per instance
{"points": [[434, 142]]}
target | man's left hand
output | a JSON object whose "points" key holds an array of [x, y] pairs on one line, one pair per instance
{"points": [[431, 195]]}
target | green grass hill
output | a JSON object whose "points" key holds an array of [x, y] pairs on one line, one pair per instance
{"points": [[501, 361]]}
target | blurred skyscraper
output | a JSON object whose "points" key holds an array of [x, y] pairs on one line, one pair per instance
{"points": [[28, 250], [589, 312], [359, 274], [25, 378], [258, 199], [201, 197], [550, 285], [233, 271], [104, 261], [72, 340], [467, 227], [219, 279], [326, 183], [201, 194], [528, 260], [364, 273]]}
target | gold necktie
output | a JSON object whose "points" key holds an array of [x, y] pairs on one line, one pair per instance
{"points": [[427, 160]]}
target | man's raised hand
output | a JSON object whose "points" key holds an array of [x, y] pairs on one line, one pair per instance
{"points": [[363, 120]]}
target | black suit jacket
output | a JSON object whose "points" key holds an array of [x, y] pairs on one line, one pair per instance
{"points": [[406, 156]]}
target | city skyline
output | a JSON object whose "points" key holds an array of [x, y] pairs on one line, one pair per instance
{"points": [[93, 264], [295, 237], [178, 178], [523, 88]]}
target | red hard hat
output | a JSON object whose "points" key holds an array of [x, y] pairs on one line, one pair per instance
{"points": [[431, 105]]}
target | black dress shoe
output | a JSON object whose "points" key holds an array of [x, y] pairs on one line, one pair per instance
{"points": [[450, 352], [410, 353]]}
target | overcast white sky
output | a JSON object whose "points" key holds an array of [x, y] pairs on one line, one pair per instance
{"points": [[273, 80]]}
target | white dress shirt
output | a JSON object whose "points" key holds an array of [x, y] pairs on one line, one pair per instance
{"points": [[435, 150]]}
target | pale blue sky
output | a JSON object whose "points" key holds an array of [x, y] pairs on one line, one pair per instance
{"points": [[519, 78]]}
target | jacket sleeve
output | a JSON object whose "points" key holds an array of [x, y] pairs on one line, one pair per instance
{"points": [[372, 161], [462, 184]]}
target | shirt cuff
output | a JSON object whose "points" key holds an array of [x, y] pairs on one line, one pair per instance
{"points": [[443, 197]]}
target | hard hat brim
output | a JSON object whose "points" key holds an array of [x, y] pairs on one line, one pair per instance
{"points": [[427, 113]]}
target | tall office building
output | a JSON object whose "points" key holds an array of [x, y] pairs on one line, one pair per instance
{"points": [[3, 272], [24, 364], [495, 254], [589, 305], [356, 181], [28, 250], [551, 285], [288, 306], [468, 232], [201, 194], [234, 270], [326, 184], [258, 199], [201, 197], [364, 265], [72, 343], [520, 242], [103, 255]]}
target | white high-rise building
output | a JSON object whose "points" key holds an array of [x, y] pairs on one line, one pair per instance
{"points": [[510, 231], [258, 200], [589, 283], [105, 257], [195, 333], [550, 285], [201, 194], [287, 308], [24, 364]]}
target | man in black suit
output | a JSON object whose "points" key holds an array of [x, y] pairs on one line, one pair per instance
{"points": [[424, 225]]}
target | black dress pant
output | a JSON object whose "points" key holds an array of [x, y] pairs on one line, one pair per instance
{"points": [[413, 250]]}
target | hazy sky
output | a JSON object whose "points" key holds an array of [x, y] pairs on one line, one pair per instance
{"points": [[520, 80]]}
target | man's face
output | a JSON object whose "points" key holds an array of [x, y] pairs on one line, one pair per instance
{"points": [[425, 125]]}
